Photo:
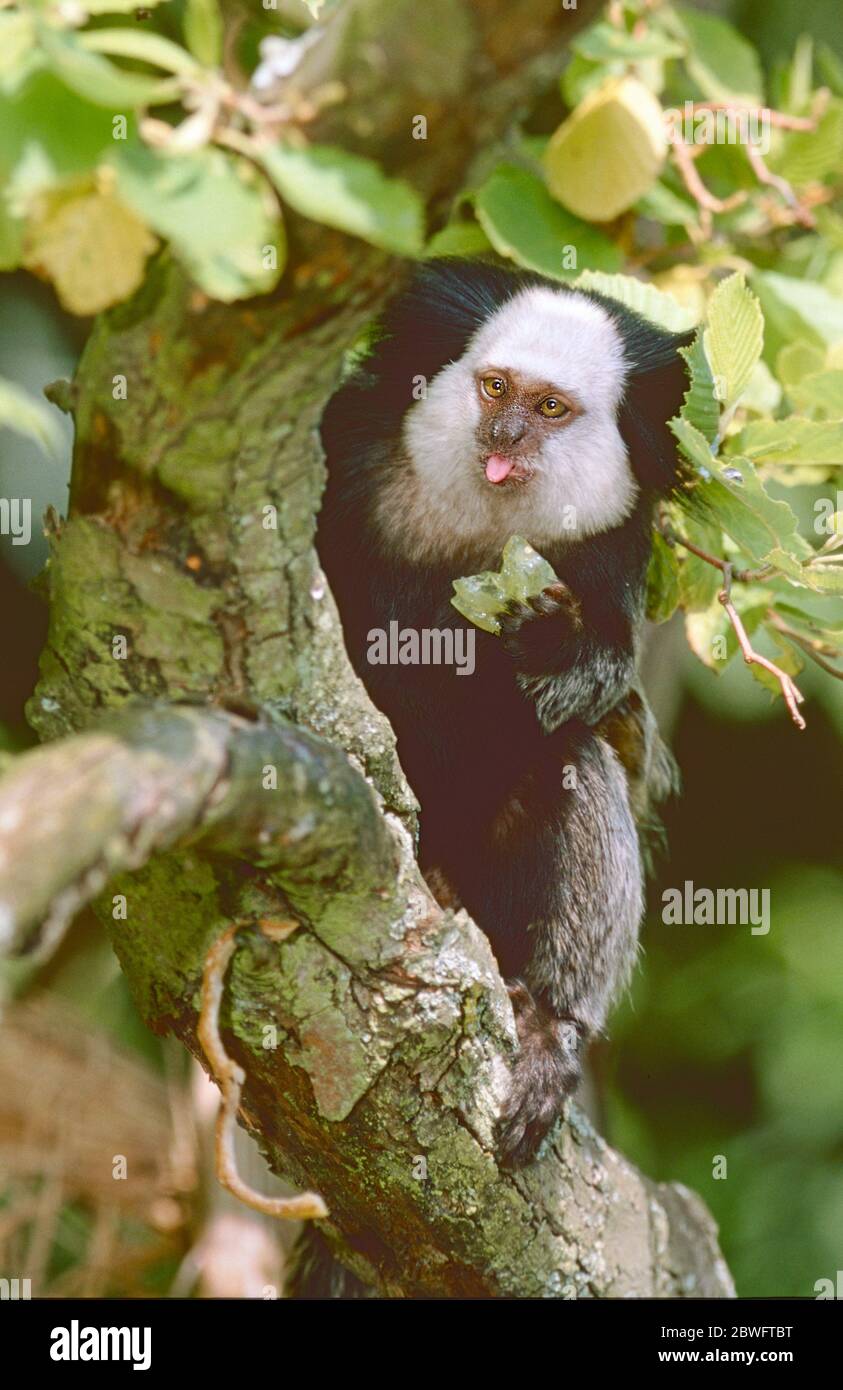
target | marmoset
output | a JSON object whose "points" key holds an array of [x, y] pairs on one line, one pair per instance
{"points": [[496, 403]]}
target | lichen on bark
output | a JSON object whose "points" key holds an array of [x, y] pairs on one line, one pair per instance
{"points": [[376, 1037]]}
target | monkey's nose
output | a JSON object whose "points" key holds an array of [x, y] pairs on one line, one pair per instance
{"points": [[507, 431]]}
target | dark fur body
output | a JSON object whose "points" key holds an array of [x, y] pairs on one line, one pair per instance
{"points": [[553, 876]]}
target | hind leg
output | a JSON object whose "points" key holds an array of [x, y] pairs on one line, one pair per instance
{"points": [[548, 1070], [584, 945], [554, 879]]}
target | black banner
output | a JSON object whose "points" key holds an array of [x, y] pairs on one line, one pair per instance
{"points": [[72, 1337]]}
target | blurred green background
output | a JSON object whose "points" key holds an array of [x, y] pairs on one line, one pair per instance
{"points": [[729, 1046]]}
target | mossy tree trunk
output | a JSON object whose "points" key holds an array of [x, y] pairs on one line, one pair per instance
{"points": [[376, 1035]]}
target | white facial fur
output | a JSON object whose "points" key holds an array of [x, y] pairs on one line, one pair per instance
{"points": [[582, 482]]}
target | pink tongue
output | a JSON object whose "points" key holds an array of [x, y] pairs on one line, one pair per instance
{"points": [[498, 468]]}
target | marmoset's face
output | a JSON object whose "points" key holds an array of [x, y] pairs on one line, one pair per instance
{"points": [[520, 435]]}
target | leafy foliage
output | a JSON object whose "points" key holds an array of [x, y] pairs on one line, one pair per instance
{"points": [[204, 172], [708, 210], [636, 178], [523, 222], [345, 191]]}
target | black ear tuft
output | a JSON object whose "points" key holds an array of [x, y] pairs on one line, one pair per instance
{"points": [[657, 380], [655, 389], [653, 397]]}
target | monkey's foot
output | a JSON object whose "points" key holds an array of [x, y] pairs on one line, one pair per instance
{"points": [[546, 1072], [533, 631]]}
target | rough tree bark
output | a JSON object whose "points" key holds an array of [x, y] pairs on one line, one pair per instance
{"points": [[393, 1027]]}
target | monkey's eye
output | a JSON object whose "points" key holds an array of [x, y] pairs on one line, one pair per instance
{"points": [[553, 408], [494, 387]]}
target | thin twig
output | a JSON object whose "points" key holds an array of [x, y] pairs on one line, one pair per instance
{"points": [[793, 696], [766, 176], [766, 113], [791, 692], [742, 576], [804, 643], [685, 156], [708, 203], [308, 1206]]}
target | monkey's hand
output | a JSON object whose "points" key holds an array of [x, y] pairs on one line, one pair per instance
{"points": [[537, 632], [546, 1072], [559, 665]]}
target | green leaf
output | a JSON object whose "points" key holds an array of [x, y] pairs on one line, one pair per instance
{"points": [[820, 393], [831, 68], [723, 64], [348, 192], [28, 416], [693, 444], [762, 394], [94, 78], [203, 31], [811, 626], [604, 42], [830, 225], [459, 239], [482, 597], [794, 440], [11, 240], [808, 156], [822, 578], [320, 9], [815, 621], [699, 582], [735, 499], [733, 337], [118, 6], [700, 407], [798, 360], [17, 42], [532, 149], [662, 581], [217, 213], [645, 299], [524, 224], [788, 658], [799, 78], [582, 76], [661, 204], [144, 46], [797, 309], [48, 134]]}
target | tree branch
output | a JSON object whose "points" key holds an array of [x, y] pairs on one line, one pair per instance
{"points": [[372, 1033], [151, 779], [375, 1036]]}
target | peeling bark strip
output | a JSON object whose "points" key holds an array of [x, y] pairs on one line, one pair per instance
{"points": [[307, 1206], [375, 1037]]}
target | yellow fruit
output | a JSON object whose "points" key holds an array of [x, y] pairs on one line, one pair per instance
{"points": [[609, 151]]}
